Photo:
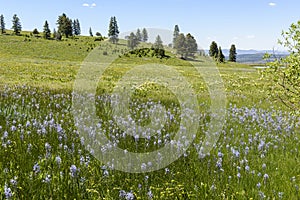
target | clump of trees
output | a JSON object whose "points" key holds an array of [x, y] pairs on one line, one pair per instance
{"points": [[284, 73], [185, 45], [133, 40], [216, 52]]}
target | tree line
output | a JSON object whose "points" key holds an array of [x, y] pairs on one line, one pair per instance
{"points": [[66, 27]]}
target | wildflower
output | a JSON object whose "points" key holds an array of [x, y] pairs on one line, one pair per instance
{"points": [[58, 160], [266, 177], [247, 168], [143, 166], [73, 170], [220, 155], [122, 193], [261, 194], [129, 196], [7, 192], [239, 175], [149, 194], [36, 168], [167, 170], [47, 179], [258, 185], [280, 195], [13, 181], [105, 173], [264, 166]]}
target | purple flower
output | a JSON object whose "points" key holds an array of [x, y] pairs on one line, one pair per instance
{"points": [[73, 170], [7, 192], [36, 168], [58, 160]]}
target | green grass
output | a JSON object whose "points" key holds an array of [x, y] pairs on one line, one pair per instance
{"points": [[258, 143]]}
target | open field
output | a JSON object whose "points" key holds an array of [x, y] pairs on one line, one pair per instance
{"points": [[43, 156]]}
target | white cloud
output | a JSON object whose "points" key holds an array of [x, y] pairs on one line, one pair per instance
{"points": [[93, 5], [272, 4]]}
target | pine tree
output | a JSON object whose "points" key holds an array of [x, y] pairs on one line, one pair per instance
{"points": [[176, 33], [180, 45], [113, 31], [221, 57], [158, 44], [213, 50], [35, 32], [132, 41], [144, 35], [46, 31], [2, 24], [65, 25], [91, 32], [138, 35], [191, 45], [76, 27], [232, 53], [17, 28]]}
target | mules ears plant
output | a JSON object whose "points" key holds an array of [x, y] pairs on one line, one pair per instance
{"points": [[284, 73]]}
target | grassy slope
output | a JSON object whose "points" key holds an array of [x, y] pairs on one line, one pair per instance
{"points": [[53, 65]]}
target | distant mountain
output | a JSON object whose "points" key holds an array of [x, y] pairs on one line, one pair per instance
{"points": [[251, 51], [253, 56]]}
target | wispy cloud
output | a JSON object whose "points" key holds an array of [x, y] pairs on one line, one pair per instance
{"points": [[272, 4], [93, 5]]}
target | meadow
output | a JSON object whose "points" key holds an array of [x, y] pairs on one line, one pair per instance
{"points": [[43, 155]]}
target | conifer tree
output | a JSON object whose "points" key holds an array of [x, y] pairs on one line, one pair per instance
{"points": [[2, 24], [17, 28], [46, 31]]}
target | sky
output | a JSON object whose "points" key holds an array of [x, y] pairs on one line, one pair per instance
{"points": [[249, 24]]}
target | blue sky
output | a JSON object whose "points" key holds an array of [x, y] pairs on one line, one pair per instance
{"points": [[251, 24]]}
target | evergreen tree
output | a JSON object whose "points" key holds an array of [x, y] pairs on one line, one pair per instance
{"points": [[46, 31], [221, 57], [191, 45], [17, 28], [175, 34], [2, 24], [76, 27], [144, 35], [158, 44], [213, 50], [138, 35], [35, 32], [113, 31], [65, 25], [132, 41], [91, 32], [180, 45], [232, 53]]}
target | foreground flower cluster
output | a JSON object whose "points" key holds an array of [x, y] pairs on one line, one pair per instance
{"points": [[43, 155]]}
